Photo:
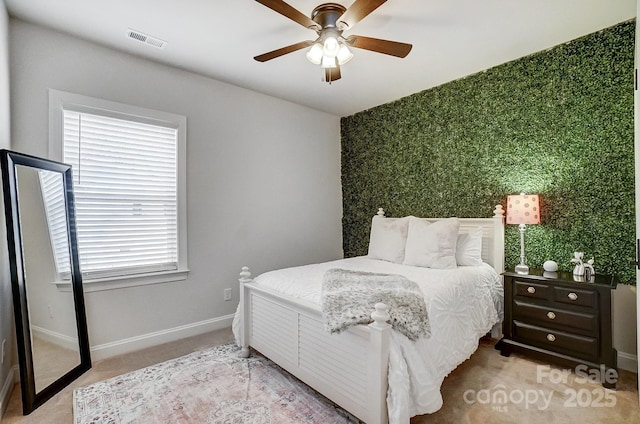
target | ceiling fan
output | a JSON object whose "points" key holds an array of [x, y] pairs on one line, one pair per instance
{"points": [[331, 49]]}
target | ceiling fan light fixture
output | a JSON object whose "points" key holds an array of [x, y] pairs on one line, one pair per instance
{"points": [[328, 62], [314, 55], [344, 54], [331, 46]]}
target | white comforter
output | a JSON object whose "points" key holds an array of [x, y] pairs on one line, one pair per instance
{"points": [[463, 304]]}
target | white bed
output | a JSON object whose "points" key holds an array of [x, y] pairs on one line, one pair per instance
{"points": [[374, 372]]}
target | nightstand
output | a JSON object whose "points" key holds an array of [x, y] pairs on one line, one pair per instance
{"points": [[559, 318]]}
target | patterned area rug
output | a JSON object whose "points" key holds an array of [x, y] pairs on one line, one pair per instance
{"points": [[211, 386]]}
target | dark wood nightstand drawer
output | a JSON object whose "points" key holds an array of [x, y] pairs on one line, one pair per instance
{"points": [[557, 341], [587, 323], [573, 296], [531, 290]]}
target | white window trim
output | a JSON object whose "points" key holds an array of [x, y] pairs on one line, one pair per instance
{"points": [[60, 100]]}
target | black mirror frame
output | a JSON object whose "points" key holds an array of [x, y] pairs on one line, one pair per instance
{"points": [[30, 399]]}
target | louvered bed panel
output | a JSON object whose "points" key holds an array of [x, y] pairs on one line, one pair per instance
{"points": [[274, 330], [322, 357]]}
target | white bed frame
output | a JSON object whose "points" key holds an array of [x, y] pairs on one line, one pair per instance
{"points": [[349, 368]]}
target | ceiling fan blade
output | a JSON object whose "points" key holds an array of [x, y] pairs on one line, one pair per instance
{"points": [[393, 48], [356, 12], [332, 74], [290, 12], [282, 51]]}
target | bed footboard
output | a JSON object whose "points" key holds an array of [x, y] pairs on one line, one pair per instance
{"points": [[349, 368]]}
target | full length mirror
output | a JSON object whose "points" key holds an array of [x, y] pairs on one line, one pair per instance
{"points": [[51, 330]]}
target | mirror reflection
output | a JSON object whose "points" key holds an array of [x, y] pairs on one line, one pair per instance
{"points": [[54, 336]]}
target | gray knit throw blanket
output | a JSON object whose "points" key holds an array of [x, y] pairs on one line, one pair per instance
{"points": [[349, 298]]}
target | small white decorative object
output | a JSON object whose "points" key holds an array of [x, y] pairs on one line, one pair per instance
{"points": [[577, 259], [589, 272], [550, 266]]}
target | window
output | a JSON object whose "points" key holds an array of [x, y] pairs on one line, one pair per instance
{"points": [[129, 186]]}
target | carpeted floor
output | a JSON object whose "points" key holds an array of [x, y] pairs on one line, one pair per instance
{"points": [[487, 388]]}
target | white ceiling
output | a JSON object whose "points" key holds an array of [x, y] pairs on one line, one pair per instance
{"points": [[219, 38]]}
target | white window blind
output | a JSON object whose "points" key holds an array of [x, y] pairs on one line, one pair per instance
{"points": [[126, 195], [52, 188]]}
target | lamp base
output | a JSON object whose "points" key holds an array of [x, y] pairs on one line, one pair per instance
{"points": [[522, 269]]}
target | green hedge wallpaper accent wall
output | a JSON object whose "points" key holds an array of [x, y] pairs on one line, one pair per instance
{"points": [[558, 123]]}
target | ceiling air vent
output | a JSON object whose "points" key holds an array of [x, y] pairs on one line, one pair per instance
{"points": [[147, 39]]}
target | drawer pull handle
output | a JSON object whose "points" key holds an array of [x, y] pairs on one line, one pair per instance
{"points": [[551, 315], [572, 296], [551, 337], [531, 290]]}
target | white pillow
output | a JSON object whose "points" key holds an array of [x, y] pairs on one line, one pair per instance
{"points": [[469, 248], [387, 239], [432, 245]]}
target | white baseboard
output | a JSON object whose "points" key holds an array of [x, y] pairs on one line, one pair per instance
{"points": [[7, 388], [144, 341], [628, 361], [58, 339]]}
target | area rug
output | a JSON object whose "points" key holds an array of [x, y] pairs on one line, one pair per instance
{"points": [[211, 386]]}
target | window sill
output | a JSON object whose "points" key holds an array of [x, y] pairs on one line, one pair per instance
{"points": [[112, 283]]}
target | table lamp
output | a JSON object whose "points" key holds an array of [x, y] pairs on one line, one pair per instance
{"points": [[523, 209]]}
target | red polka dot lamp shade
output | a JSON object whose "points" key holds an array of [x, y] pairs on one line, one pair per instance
{"points": [[523, 209]]}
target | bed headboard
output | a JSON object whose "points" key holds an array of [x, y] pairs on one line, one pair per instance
{"points": [[492, 235]]}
